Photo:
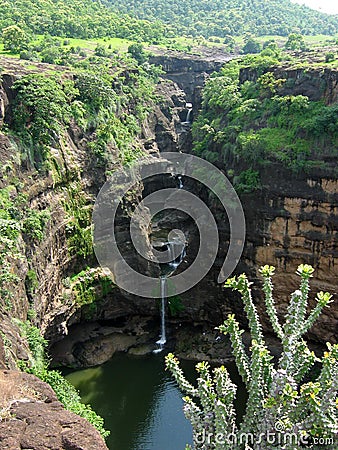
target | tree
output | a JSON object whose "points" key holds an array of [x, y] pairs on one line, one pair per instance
{"points": [[329, 57], [283, 401], [101, 50], [230, 42], [295, 42], [14, 38], [137, 52], [251, 46]]}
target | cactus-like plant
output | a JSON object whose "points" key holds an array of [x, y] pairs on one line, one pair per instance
{"points": [[284, 410]]}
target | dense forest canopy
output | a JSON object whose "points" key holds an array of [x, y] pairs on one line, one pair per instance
{"points": [[77, 18], [154, 20], [231, 17]]}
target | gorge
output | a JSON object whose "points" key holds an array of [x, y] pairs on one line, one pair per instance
{"points": [[292, 218]]}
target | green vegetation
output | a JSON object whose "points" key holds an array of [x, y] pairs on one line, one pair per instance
{"points": [[14, 38], [295, 42], [16, 219], [40, 112], [65, 392], [77, 19], [31, 281], [233, 18], [251, 46], [107, 96], [281, 399], [250, 118], [90, 286], [175, 305], [78, 210]]}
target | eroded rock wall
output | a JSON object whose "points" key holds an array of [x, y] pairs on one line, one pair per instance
{"points": [[33, 418], [292, 220], [77, 182]]}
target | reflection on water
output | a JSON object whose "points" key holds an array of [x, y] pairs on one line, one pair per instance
{"points": [[140, 402]]}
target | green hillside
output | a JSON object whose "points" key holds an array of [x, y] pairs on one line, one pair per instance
{"points": [[77, 18], [231, 17]]}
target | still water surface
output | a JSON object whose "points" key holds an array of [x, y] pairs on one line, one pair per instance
{"points": [[139, 401]]}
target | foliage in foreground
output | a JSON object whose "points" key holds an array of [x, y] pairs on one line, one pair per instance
{"points": [[284, 409], [65, 392]]}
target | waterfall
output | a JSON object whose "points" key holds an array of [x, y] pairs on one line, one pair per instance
{"points": [[188, 118], [162, 340], [188, 115], [175, 262], [172, 264], [189, 112]]}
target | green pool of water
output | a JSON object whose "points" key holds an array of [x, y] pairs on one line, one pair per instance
{"points": [[139, 401]]}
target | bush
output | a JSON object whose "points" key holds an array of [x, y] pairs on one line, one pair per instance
{"points": [[281, 401], [100, 50], [65, 392], [247, 181], [41, 108], [329, 57], [251, 46], [137, 52], [295, 42], [14, 38]]}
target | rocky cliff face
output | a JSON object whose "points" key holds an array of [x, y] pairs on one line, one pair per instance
{"points": [[32, 417], [79, 180], [316, 84], [293, 219], [44, 267], [292, 223], [189, 72]]}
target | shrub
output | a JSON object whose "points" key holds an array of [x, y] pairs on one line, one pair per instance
{"points": [[247, 181], [14, 38], [65, 392], [41, 108], [329, 57], [251, 46], [295, 42], [281, 401], [137, 52]]}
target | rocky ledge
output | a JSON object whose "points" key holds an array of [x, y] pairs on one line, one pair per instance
{"points": [[32, 418]]}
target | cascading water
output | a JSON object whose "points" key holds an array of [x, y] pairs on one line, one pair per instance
{"points": [[163, 281], [163, 339], [176, 261], [177, 251], [172, 266], [188, 117]]}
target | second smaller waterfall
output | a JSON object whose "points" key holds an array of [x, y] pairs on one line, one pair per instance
{"points": [[187, 120], [176, 257]]}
